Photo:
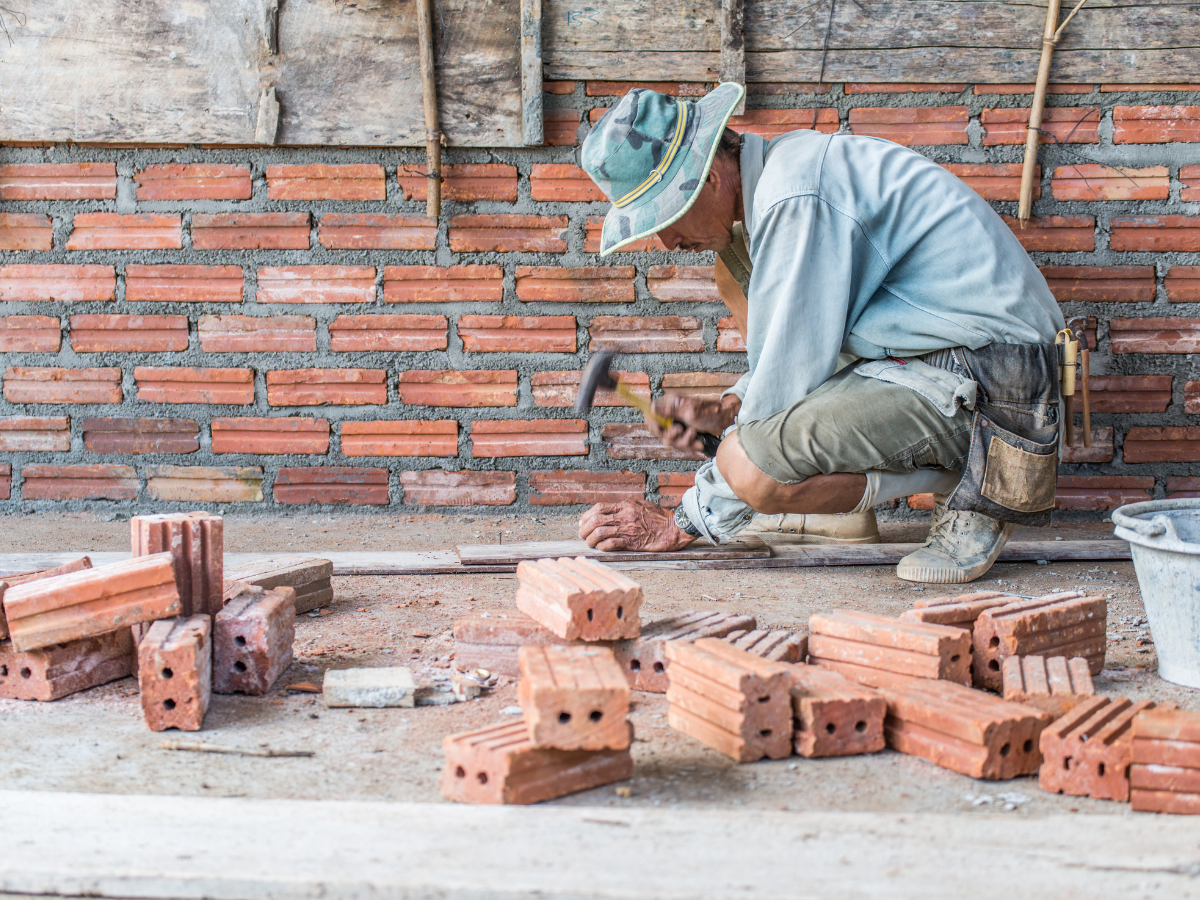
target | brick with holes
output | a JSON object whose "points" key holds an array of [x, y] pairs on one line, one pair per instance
{"points": [[644, 658], [833, 715], [574, 697], [780, 646], [580, 599], [967, 731], [500, 764], [1055, 684], [914, 649], [175, 661], [1087, 752], [1165, 773], [309, 577], [1065, 624], [252, 638], [492, 643], [737, 703], [195, 541], [61, 669], [960, 611]]}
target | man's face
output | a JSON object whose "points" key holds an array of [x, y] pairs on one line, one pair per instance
{"points": [[708, 225]]}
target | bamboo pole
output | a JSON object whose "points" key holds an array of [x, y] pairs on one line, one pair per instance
{"points": [[433, 135]]}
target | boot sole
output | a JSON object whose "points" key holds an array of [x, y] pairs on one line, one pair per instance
{"points": [[947, 574]]}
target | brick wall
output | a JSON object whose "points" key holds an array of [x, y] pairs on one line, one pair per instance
{"points": [[277, 326]]}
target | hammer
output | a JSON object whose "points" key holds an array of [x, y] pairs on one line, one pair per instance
{"points": [[598, 374]]}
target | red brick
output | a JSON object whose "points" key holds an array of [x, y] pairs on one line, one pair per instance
{"points": [[921, 127], [1155, 233], [580, 599], [196, 543], [1154, 335], [564, 183], [472, 181], [316, 284], [252, 639], [591, 239], [1055, 233], [1088, 752], [646, 334], [883, 88], [1065, 124], [141, 435], [458, 388], [905, 647], [71, 284], [250, 231], [193, 181], [35, 434], [257, 434], [1129, 394], [1055, 684], [1127, 88], [332, 484], [1182, 487], [416, 332], [729, 339], [374, 231], [1164, 776], [5, 481], [204, 484], [1156, 124], [499, 764], [587, 284], [1101, 450], [159, 384], [833, 716], [672, 486], [644, 657], [321, 387], [508, 234], [1067, 624], [574, 697], [96, 482], [730, 700], [438, 488], [1052, 88], [183, 284], [1183, 284], [692, 284], [517, 334], [960, 611], [670, 88], [562, 488], [402, 438], [1101, 284], [52, 385], [537, 437], [699, 384], [30, 334], [175, 673], [310, 578], [90, 602], [634, 441], [128, 334], [484, 642], [561, 388], [560, 127], [1191, 398], [434, 284], [1190, 176], [558, 87], [773, 122], [780, 646], [114, 231], [53, 672], [25, 231], [1170, 444], [994, 181], [1101, 491], [1096, 182], [59, 181], [325, 182], [267, 334]]}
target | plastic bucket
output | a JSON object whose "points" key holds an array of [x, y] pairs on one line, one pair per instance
{"points": [[1164, 537]]}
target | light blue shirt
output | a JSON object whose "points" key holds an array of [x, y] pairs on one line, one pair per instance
{"points": [[865, 247]]}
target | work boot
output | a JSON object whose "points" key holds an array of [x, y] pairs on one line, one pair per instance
{"points": [[960, 547], [799, 528]]}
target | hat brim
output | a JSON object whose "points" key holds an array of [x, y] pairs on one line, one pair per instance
{"points": [[681, 186]]}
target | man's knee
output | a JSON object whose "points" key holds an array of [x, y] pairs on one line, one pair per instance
{"points": [[752, 485]]}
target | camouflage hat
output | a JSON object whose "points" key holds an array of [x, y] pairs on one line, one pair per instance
{"points": [[650, 154]]}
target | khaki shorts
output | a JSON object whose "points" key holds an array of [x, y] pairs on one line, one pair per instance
{"points": [[853, 423]]}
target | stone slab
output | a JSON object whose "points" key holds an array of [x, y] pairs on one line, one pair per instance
{"points": [[374, 688]]}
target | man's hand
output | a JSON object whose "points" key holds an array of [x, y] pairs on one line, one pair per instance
{"points": [[692, 415], [632, 525]]}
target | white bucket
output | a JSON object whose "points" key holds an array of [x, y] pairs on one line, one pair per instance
{"points": [[1164, 537]]}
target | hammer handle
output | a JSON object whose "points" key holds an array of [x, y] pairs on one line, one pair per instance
{"points": [[711, 441]]}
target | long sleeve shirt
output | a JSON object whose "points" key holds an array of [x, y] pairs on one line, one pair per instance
{"points": [[864, 247]]}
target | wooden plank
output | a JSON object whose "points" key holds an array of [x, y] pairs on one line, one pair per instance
{"points": [[733, 46], [511, 554]]}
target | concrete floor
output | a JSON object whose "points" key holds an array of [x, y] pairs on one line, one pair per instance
{"points": [[96, 742]]}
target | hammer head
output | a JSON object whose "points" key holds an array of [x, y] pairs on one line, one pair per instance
{"points": [[597, 375]]}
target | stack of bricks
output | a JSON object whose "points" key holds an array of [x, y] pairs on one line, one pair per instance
{"points": [[411, 345], [1067, 624], [580, 599], [878, 651], [1165, 774]]}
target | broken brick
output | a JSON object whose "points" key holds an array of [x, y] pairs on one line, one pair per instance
{"points": [[50, 434], [1065, 624], [55, 671], [128, 334], [194, 181], [316, 284], [646, 334], [834, 716], [206, 484], [318, 181], [95, 482], [563, 488], [331, 484], [175, 660], [376, 231], [183, 284], [311, 579], [517, 334], [158, 384], [1088, 751], [458, 388], [492, 643], [438, 488], [326, 387], [463, 182], [778, 646], [140, 435], [250, 231], [919, 126], [561, 388], [574, 698], [68, 284], [54, 385], [26, 231], [508, 234], [256, 434], [257, 334], [1055, 684], [398, 333], [59, 181], [435, 284], [196, 543], [400, 438], [537, 437], [252, 639], [585, 284], [730, 700], [30, 334], [117, 231], [914, 649], [580, 599], [644, 658]]}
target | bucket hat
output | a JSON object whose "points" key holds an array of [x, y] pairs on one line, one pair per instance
{"points": [[650, 154]]}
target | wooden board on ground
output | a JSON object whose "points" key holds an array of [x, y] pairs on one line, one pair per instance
{"points": [[511, 554]]}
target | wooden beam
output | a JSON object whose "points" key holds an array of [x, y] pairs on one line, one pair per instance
{"points": [[733, 47], [531, 72]]}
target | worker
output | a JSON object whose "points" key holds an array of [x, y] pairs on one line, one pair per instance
{"points": [[899, 339]]}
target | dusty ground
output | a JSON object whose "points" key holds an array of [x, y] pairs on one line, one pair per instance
{"points": [[97, 742]]}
